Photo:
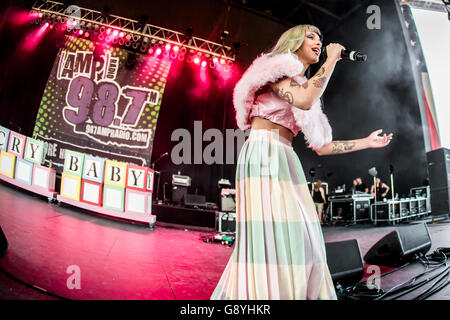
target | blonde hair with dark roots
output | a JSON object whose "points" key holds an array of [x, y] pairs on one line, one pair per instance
{"points": [[292, 39]]}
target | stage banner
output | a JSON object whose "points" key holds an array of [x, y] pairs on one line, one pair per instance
{"points": [[101, 100]]}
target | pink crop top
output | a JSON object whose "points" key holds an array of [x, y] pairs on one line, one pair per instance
{"points": [[271, 107]]}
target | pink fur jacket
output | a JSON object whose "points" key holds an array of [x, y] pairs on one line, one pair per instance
{"points": [[313, 122]]}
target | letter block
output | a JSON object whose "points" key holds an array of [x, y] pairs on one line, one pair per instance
{"points": [[44, 177], [113, 197], [93, 168], [16, 144], [70, 186], [73, 163], [7, 164], [91, 192], [138, 201], [24, 171], [4, 137], [34, 151], [115, 173], [136, 177], [150, 179]]}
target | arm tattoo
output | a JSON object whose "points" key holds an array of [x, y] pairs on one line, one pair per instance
{"points": [[287, 96], [321, 72], [341, 146], [296, 84], [320, 83]]}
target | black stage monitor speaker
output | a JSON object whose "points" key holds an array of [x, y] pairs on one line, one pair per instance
{"points": [[400, 246], [344, 261], [3, 243], [194, 200]]}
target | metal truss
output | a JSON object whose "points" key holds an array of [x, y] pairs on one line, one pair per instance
{"points": [[423, 4], [134, 27]]}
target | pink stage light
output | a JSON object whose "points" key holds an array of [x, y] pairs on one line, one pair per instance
{"points": [[115, 33], [32, 39], [215, 60], [222, 61], [158, 51], [176, 48], [121, 34], [108, 31], [203, 63], [168, 46], [196, 60], [80, 32]]}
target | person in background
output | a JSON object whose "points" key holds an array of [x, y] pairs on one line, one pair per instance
{"points": [[318, 195], [379, 190]]}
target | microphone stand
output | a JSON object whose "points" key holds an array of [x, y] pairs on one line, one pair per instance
{"points": [[159, 174]]}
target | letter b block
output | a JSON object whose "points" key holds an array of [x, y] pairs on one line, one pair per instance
{"points": [[115, 173], [73, 163]]}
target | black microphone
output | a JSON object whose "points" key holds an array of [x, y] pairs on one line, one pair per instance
{"points": [[353, 55], [348, 54]]}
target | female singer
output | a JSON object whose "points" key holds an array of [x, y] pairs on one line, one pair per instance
{"points": [[279, 250]]}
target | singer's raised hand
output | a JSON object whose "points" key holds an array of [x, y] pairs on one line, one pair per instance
{"points": [[334, 51], [376, 141]]}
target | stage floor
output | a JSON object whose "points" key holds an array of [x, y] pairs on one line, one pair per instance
{"points": [[119, 260]]}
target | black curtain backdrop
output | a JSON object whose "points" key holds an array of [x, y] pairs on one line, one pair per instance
{"points": [[360, 98]]}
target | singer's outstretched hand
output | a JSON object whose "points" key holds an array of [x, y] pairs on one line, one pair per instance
{"points": [[374, 140], [334, 51]]}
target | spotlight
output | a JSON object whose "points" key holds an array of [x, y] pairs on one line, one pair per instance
{"points": [[168, 46], [203, 63], [158, 51], [121, 34], [196, 60], [115, 33], [215, 60], [222, 61], [176, 48]]}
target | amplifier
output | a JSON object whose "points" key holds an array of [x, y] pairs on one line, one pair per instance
{"points": [[178, 180], [226, 222]]}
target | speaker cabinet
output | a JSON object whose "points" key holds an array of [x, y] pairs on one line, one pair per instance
{"points": [[344, 261], [400, 246], [439, 172], [195, 200]]}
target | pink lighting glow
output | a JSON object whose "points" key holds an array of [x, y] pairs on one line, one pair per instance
{"points": [[197, 60], [203, 63], [115, 33], [215, 60], [32, 39], [168, 46], [158, 51], [176, 48]]}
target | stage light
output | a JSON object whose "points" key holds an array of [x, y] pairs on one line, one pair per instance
{"points": [[222, 61], [108, 31], [168, 46], [203, 63], [196, 60], [80, 32], [121, 34], [115, 33], [215, 60], [158, 51], [176, 48], [86, 34]]}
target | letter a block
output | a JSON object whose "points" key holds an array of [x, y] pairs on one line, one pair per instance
{"points": [[70, 186], [136, 177], [73, 163], [4, 137], [34, 151], [93, 168], [113, 197], [91, 192], [7, 164], [115, 173], [44, 177], [24, 171], [16, 145]]}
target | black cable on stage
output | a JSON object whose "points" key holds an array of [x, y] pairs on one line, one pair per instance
{"points": [[433, 289], [36, 288]]}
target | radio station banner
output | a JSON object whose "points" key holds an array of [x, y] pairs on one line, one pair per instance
{"points": [[96, 103]]}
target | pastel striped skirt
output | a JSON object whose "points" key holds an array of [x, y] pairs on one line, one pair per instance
{"points": [[279, 250]]}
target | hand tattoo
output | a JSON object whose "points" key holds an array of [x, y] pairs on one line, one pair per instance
{"points": [[341, 146], [287, 96]]}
